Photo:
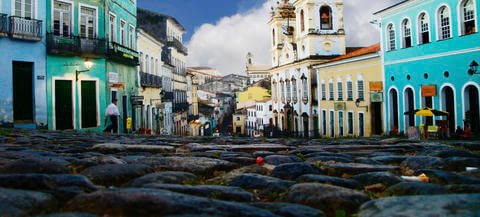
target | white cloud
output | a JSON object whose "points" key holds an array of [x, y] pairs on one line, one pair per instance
{"points": [[224, 45]]}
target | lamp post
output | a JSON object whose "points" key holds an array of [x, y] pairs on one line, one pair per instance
{"points": [[473, 68], [88, 65]]}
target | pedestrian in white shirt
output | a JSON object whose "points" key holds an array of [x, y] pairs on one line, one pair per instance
{"points": [[114, 114]]}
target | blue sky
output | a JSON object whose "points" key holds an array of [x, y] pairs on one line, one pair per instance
{"points": [[193, 13]]}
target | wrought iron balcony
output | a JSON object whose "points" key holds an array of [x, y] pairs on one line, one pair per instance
{"points": [[93, 47], [122, 54], [3, 25], [25, 29], [173, 42], [149, 80], [167, 96], [62, 45]]}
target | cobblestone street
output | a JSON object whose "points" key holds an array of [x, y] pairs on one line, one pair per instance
{"points": [[90, 174]]}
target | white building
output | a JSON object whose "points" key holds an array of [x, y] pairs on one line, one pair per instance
{"points": [[251, 123], [256, 72], [264, 111]]}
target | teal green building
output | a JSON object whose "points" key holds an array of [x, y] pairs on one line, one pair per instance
{"points": [[91, 59]]}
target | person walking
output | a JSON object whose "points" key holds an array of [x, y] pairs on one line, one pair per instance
{"points": [[114, 114]]}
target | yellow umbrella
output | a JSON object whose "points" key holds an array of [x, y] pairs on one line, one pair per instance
{"points": [[429, 112]]}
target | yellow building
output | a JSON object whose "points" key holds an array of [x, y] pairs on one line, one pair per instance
{"points": [[350, 94], [239, 119], [253, 94], [150, 73]]}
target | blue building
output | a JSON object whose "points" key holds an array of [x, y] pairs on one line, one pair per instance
{"points": [[430, 48], [23, 70]]}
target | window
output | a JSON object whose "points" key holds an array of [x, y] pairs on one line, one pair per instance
{"points": [[289, 93], [360, 90], [330, 90], [340, 123], [391, 37], [147, 65], [324, 122], [283, 90], [305, 88], [24, 8], [325, 18], [324, 93], [332, 124], [350, 123], [88, 22], [302, 21], [156, 67], [152, 66], [339, 89], [62, 13], [424, 32], [112, 36], [273, 37], [131, 36], [468, 17], [407, 33], [294, 84], [361, 124], [123, 34], [444, 21], [141, 62], [349, 88]]}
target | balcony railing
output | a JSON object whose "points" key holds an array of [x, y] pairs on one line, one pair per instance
{"points": [[173, 42], [178, 107], [3, 25], [93, 47], [149, 80], [167, 96], [122, 54], [25, 29]]}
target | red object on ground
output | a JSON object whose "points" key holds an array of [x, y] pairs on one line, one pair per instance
{"points": [[259, 161]]}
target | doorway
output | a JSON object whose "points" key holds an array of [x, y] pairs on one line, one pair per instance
{"points": [[393, 97], [472, 116], [377, 118], [305, 126], [448, 105], [409, 107], [22, 93], [428, 102], [89, 104], [63, 105]]}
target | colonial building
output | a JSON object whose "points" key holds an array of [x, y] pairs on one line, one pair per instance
{"points": [[122, 57], [350, 95], [150, 74], [431, 54], [204, 74], [305, 33], [239, 82], [23, 81], [239, 119], [169, 29], [255, 72]]}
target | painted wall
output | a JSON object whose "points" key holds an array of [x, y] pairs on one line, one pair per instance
{"points": [[368, 70], [16, 52], [253, 93], [426, 64]]}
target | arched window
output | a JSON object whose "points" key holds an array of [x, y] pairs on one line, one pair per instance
{"points": [[349, 88], [467, 17], [330, 89], [147, 65], [325, 18], [406, 33], [391, 37], [152, 66], [444, 29], [339, 89], [273, 37], [360, 88], [324, 90], [289, 91], [302, 21], [423, 29], [294, 89]]}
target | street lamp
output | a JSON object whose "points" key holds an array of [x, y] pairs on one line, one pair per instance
{"points": [[473, 68], [88, 65]]}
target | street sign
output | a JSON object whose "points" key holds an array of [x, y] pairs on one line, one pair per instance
{"points": [[376, 97], [137, 97], [117, 85], [137, 103]]}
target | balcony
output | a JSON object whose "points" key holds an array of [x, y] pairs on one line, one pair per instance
{"points": [[173, 42], [3, 25], [74, 45], [180, 107], [167, 96], [122, 54], [149, 80], [93, 47], [25, 29]]}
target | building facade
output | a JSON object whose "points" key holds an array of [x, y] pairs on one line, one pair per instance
{"points": [[350, 90], [77, 95], [151, 75], [254, 72], [23, 98], [303, 34], [122, 58], [429, 48], [239, 119]]}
